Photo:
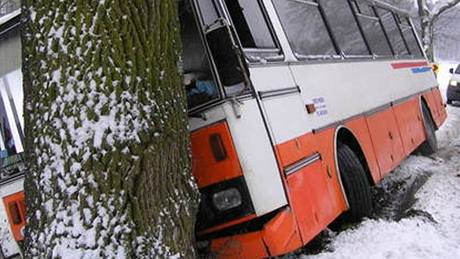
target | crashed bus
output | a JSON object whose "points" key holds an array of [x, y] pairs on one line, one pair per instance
{"points": [[297, 108], [12, 168]]}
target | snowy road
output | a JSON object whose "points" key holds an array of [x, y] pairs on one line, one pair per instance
{"points": [[418, 215]]}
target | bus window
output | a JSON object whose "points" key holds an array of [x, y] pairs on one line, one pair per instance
{"points": [[305, 28], [198, 79], [250, 24], [391, 28], [344, 27], [409, 35], [253, 30], [372, 29], [363, 8], [208, 10]]}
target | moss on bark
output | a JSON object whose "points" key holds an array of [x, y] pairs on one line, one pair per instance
{"points": [[106, 130]]}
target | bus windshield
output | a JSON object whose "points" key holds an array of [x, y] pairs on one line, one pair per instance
{"points": [[199, 81]]}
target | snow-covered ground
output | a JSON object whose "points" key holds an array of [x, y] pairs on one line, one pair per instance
{"points": [[420, 215]]}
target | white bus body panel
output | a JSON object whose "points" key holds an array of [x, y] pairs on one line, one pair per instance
{"points": [[285, 114], [12, 188], [352, 88], [338, 90]]}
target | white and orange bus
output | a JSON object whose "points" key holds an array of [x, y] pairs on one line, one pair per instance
{"points": [[12, 168], [297, 108]]}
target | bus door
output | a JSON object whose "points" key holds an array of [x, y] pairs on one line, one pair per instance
{"points": [[227, 57]]}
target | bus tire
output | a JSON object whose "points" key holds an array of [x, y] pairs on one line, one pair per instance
{"points": [[355, 184], [430, 145]]}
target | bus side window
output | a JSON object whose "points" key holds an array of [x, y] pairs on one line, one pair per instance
{"points": [[208, 11], [409, 35], [251, 26], [344, 27], [15, 214], [305, 28], [199, 81], [391, 27], [372, 29]]}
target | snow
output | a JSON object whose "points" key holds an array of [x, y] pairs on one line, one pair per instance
{"points": [[433, 233]]}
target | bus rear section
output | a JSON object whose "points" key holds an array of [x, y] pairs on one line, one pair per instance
{"points": [[296, 108]]}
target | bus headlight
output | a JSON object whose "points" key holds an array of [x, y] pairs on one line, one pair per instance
{"points": [[453, 83], [224, 202], [227, 199]]}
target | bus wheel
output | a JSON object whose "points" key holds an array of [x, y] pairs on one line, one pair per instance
{"points": [[355, 183], [430, 145]]}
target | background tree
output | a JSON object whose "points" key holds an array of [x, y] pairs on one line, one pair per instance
{"points": [[7, 6], [429, 14], [106, 131]]}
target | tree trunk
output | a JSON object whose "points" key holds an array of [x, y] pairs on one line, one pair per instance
{"points": [[106, 131]]}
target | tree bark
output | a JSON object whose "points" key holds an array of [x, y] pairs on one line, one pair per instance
{"points": [[106, 131]]}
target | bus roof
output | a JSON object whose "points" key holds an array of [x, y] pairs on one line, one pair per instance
{"points": [[10, 22]]}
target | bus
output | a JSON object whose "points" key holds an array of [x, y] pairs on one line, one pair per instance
{"points": [[13, 212], [12, 167], [297, 108]]}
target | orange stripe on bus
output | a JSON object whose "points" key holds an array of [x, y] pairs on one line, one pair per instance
{"points": [[409, 64]]}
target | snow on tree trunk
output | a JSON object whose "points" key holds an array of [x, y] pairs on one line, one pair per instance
{"points": [[106, 126]]}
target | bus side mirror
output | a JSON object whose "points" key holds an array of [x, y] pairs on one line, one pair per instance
{"points": [[226, 58], [451, 71]]}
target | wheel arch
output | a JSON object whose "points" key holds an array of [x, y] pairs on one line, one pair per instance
{"points": [[344, 135]]}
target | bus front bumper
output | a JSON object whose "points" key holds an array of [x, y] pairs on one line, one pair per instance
{"points": [[277, 237]]}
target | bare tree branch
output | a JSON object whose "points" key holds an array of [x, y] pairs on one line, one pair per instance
{"points": [[3, 4], [422, 10], [444, 9]]}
